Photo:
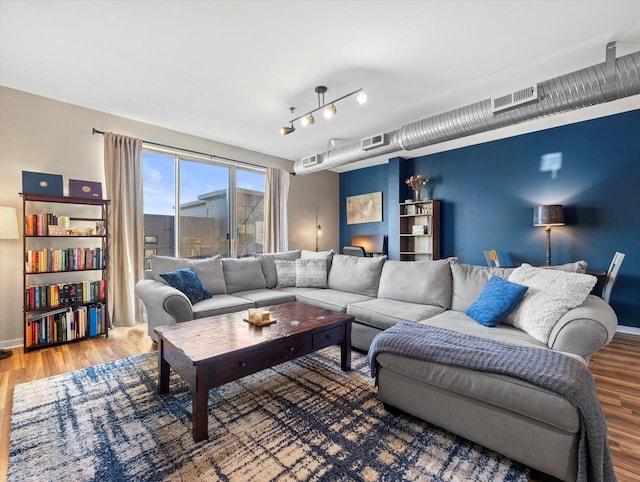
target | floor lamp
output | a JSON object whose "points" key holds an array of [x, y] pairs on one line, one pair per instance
{"points": [[8, 230], [547, 216], [318, 234]]}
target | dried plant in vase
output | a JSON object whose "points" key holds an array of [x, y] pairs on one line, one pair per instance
{"points": [[416, 183]]}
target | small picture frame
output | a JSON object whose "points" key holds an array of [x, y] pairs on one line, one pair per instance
{"points": [[100, 231]]}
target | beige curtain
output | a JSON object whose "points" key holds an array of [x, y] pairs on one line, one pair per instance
{"points": [[276, 194], [123, 174]]}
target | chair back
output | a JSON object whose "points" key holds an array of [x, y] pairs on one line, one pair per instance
{"points": [[492, 258], [354, 251], [612, 275]]}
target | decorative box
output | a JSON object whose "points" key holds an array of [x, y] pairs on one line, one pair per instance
{"points": [[85, 189], [42, 183]]}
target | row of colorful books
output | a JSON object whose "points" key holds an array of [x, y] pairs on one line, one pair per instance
{"points": [[53, 295], [38, 224], [68, 259], [66, 324]]}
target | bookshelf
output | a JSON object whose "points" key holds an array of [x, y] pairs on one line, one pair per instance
{"points": [[420, 231], [65, 269]]}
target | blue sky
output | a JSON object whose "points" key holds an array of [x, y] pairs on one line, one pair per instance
{"points": [[158, 180]]}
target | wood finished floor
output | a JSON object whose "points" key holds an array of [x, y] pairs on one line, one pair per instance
{"points": [[616, 369]]}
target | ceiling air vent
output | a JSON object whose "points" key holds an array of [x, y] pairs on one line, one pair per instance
{"points": [[311, 160], [518, 97], [372, 142]]}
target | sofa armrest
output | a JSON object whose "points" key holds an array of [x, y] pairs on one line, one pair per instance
{"points": [[585, 329], [165, 305]]}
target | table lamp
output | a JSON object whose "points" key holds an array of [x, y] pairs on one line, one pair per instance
{"points": [[8, 230], [547, 216]]}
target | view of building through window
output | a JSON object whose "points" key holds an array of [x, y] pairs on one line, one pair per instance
{"points": [[221, 207]]}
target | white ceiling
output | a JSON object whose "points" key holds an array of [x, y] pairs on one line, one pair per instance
{"points": [[229, 70]]}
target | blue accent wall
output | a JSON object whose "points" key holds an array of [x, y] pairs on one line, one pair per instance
{"points": [[488, 192]]}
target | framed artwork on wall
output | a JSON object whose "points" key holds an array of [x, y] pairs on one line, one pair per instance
{"points": [[365, 208]]}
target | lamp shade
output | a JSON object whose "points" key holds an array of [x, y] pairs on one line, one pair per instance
{"points": [[548, 215], [8, 223]]}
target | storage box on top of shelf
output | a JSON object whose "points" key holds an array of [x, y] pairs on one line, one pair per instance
{"points": [[42, 183], [85, 189]]}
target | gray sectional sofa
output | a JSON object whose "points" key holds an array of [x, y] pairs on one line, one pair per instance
{"points": [[513, 417]]}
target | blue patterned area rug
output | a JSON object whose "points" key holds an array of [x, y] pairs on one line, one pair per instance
{"points": [[302, 420]]}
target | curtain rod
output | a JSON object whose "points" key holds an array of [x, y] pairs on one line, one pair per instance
{"points": [[206, 154]]}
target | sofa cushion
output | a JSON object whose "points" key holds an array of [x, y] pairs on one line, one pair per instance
{"points": [[509, 393], [243, 274], [266, 297], [330, 299], [356, 275], [424, 282], [311, 273], [306, 254], [221, 304], [209, 270], [383, 313], [469, 281], [577, 267], [267, 262], [498, 298], [551, 294], [286, 273], [186, 280]]}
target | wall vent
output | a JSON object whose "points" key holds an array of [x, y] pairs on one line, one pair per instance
{"points": [[374, 141], [311, 160], [513, 99]]}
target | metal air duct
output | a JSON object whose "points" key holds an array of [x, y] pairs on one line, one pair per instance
{"points": [[611, 80]]}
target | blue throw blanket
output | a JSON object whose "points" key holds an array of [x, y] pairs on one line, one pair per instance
{"points": [[548, 369]]}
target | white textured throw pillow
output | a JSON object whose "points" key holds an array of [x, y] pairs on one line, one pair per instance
{"points": [[311, 273], [550, 295]]}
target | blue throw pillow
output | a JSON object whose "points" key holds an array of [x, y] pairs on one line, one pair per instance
{"points": [[187, 281], [498, 298]]}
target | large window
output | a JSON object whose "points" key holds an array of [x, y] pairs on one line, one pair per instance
{"points": [[221, 207]]}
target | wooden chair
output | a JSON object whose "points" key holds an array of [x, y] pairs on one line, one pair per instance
{"points": [[612, 274], [492, 258]]}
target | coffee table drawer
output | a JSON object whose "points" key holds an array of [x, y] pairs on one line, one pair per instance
{"points": [[288, 349], [235, 366], [329, 337]]}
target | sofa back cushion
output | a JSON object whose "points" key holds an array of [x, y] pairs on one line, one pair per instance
{"points": [[469, 281], [423, 282], [266, 261], [209, 270], [356, 275], [243, 274]]}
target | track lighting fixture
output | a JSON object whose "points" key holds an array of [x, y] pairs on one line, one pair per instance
{"points": [[329, 108], [287, 130]]}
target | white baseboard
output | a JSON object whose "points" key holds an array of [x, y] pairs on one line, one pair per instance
{"points": [[629, 330], [5, 345]]}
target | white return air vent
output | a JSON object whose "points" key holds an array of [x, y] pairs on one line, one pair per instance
{"points": [[372, 142], [518, 97], [311, 160]]}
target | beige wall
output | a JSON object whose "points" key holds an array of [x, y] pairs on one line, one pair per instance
{"points": [[44, 135]]}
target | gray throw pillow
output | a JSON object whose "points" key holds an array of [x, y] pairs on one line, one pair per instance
{"points": [[311, 273], [209, 270], [286, 272], [577, 267], [356, 275], [469, 280], [423, 282], [266, 260], [243, 274]]}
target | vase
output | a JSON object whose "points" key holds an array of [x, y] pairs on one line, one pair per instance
{"points": [[417, 195]]}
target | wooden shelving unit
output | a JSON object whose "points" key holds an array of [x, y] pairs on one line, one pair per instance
{"points": [[424, 242]]}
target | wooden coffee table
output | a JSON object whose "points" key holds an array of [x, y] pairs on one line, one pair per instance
{"points": [[212, 351]]}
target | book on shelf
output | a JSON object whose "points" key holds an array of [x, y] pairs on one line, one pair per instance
{"points": [[65, 324]]}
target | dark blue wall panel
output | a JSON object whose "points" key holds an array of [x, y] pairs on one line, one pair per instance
{"points": [[488, 192]]}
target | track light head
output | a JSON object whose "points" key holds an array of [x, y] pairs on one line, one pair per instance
{"points": [[307, 120], [329, 112], [287, 130], [361, 97]]}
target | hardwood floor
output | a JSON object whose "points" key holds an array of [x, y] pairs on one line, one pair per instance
{"points": [[616, 369]]}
